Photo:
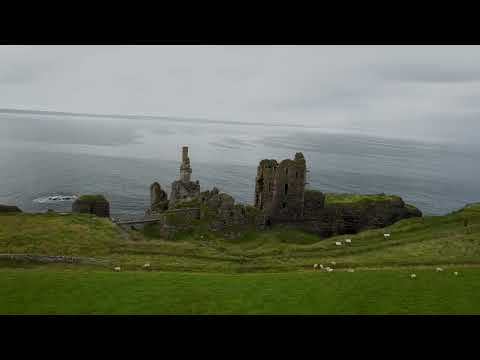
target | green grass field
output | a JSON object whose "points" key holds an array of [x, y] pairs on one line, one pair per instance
{"points": [[256, 272], [73, 291]]}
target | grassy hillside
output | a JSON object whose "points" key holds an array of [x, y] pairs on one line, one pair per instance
{"points": [[53, 291], [347, 198], [450, 239]]}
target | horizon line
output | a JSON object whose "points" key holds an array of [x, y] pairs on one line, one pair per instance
{"points": [[146, 117]]}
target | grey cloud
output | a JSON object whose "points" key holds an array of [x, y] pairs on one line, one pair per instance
{"points": [[380, 88]]}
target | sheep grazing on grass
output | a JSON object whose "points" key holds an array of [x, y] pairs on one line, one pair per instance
{"points": [[333, 263], [351, 270], [386, 235], [315, 266], [146, 266], [321, 266], [413, 276], [439, 269], [329, 269], [116, 268], [455, 273], [348, 241], [338, 243]]}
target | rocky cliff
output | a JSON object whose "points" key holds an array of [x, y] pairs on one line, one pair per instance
{"points": [[352, 213]]}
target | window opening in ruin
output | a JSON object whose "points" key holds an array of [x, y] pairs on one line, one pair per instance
{"points": [[269, 186], [284, 205], [296, 174], [286, 189]]}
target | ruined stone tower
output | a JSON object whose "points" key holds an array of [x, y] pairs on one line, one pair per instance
{"points": [[184, 189], [185, 169], [158, 198], [280, 189]]}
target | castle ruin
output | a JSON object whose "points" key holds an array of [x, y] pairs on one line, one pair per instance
{"points": [[280, 189], [184, 189], [280, 198]]}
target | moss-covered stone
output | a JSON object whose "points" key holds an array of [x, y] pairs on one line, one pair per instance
{"points": [[92, 204]]}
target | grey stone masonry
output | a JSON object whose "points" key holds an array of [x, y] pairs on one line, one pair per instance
{"points": [[184, 189]]}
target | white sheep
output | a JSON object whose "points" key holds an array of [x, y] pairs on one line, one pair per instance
{"points": [[116, 268], [315, 266], [439, 269], [348, 241], [146, 266], [329, 269], [455, 273], [338, 243], [386, 235], [351, 270], [413, 276], [333, 263], [321, 266]]}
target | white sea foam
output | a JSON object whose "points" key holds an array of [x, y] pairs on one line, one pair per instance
{"points": [[55, 199]]}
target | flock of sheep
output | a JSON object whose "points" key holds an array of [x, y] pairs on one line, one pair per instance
{"points": [[349, 241], [145, 267], [320, 266]]}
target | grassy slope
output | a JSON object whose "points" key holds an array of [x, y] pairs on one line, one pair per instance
{"points": [[417, 241], [56, 289], [53, 291], [344, 198]]}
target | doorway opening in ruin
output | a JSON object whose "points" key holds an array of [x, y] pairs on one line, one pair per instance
{"points": [[286, 189]]}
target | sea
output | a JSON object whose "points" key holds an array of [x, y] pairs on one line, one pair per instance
{"points": [[46, 154]]}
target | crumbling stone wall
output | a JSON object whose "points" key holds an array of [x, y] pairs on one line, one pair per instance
{"points": [[222, 212], [314, 204], [181, 217], [158, 198], [280, 188], [264, 184], [183, 191]]}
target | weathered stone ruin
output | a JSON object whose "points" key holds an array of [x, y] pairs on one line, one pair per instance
{"points": [[281, 196], [158, 198], [280, 189], [92, 204], [184, 189], [280, 199]]}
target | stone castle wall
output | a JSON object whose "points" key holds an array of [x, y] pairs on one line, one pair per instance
{"points": [[280, 188]]}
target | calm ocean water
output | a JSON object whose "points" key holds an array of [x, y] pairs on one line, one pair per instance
{"points": [[43, 155]]}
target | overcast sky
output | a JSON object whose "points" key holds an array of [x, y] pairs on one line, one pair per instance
{"points": [[418, 91]]}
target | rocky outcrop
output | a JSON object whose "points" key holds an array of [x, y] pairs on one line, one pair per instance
{"points": [[351, 218], [9, 209], [92, 204]]}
